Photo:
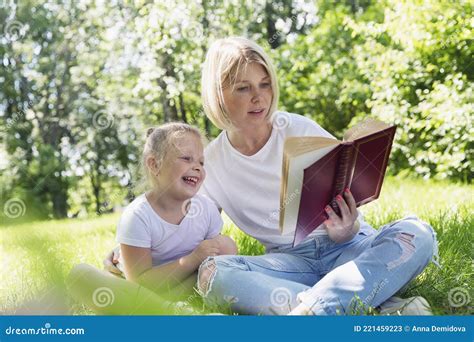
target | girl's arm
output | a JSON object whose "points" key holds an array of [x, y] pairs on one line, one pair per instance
{"points": [[138, 265]]}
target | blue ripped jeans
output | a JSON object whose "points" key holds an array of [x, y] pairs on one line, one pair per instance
{"points": [[329, 278]]}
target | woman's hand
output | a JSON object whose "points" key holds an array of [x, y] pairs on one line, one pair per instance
{"points": [[343, 229], [111, 260]]}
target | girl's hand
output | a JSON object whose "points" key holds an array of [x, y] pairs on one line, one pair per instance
{"points": [[205, 249], [342, 229], [227, 246], [111, 260]]}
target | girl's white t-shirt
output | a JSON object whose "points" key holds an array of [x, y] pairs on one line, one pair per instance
{"points": [[247, 188], [141, 226]]}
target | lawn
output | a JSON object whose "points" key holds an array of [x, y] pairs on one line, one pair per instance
{"points": [[36, 257]]}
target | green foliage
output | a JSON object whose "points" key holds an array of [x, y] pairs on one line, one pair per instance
{"points": [[81, 82], [404, 63]]}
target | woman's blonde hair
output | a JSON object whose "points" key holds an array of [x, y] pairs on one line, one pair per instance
{"points": [[224, 61], [159, 142]]}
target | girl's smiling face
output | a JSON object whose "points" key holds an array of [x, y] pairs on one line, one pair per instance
{"points": [[182, 171], [248, 100]]}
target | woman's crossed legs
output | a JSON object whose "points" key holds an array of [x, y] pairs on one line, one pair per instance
{"points": [[325, 277]]}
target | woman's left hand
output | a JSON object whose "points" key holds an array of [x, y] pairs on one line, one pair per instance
{"points": [[343, 229]]}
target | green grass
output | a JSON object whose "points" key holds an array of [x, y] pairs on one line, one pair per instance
{"points": [[35, 257]]}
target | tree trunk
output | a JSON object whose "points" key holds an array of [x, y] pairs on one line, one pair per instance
{"points": [[95, 181], [182, 109], [205, 29], [170, 112], [354, 6], [59, 199], [272, 34]]}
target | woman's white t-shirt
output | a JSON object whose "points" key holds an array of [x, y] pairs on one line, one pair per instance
{"points": [[141, 226], [247, 188]]}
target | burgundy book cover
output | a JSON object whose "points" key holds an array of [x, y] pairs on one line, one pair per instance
{"points": [[363, 175]]}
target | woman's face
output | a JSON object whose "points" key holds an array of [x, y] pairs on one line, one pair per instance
{"points": [[249, 99]]}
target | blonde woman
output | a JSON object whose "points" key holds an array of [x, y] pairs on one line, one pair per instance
{"points": [[345, 264]]}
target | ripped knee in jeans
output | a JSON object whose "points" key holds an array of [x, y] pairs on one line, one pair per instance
{"points": [[206, 274], [427, 243], [405, 240]]}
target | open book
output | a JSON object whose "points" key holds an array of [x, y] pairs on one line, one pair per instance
{"points": [[316, 169]]}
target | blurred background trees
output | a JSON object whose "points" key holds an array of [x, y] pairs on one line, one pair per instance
{"points": [[81, 81]]}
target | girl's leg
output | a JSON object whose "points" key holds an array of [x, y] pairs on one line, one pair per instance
{"points": [[266, 284], [374, 269], [111, 295], [183, 291]]}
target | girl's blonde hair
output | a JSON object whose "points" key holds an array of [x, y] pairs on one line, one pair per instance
{"points": [[224, 61], [159, 142]]}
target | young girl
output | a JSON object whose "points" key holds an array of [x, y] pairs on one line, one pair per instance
{"points": [[164, 234]]}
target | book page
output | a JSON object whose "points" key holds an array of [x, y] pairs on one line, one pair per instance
{"points": [[295, 146], [366, 127], [291, 200]]}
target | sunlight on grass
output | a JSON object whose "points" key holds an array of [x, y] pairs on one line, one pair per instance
{"points": [[38, 255]]}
